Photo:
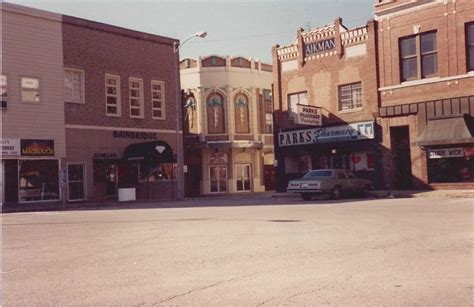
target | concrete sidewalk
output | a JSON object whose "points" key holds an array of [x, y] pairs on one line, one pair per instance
{"points": [[219, 200], [403, 194]]}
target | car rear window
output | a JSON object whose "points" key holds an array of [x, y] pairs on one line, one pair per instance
{"points": [[318, 174]]}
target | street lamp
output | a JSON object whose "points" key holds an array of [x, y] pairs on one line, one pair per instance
{"points": [[176, 46]]}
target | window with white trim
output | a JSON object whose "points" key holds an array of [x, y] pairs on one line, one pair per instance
{"points": [[112, 96], [294, 100], [135, 92], [350, 96], [157, 99], [74, 85], [418, 56], [30, 90]]}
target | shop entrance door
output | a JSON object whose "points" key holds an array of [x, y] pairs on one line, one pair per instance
{"points": [[75, 173], [269, 171], [218, 178], [111, 178], [242, 176], [401, 158], [11, 181]]}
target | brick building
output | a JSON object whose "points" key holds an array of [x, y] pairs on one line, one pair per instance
{"points": [[228, 125], [426, 69], [32, 111], [326, 104], [120, 111]]}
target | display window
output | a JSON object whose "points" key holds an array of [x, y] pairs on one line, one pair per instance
{"points": [[451, 165], [38, 180], [298, 163]]}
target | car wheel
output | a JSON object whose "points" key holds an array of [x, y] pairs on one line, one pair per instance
{"points": [[336, 192], [365, 191], [306, 196]]}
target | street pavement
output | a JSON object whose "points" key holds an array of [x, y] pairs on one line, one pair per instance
{"points": [[244, 251]]}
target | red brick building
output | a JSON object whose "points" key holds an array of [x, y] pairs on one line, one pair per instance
{"points": [[426, 69], [326, 103], [120, 111]]}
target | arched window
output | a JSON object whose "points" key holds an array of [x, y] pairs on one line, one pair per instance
{"points": [[241, 111], [215, 114]]}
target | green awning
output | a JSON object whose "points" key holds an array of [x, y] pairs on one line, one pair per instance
{"points": [[447, 131]]}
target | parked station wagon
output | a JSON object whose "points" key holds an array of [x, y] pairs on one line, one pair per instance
{"points": [[333, 182]]}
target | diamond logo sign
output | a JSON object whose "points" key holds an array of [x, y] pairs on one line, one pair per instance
{"points": [[160, 148]]}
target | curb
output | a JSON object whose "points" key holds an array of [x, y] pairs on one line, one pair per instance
{"points": [[399, 194]]}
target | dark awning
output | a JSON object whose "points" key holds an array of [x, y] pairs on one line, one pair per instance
{"points": [[446, 131], [156, 151]]}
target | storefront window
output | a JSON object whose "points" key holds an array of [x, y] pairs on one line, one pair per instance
{"points": [[38, 180], [159, 172], [298, 164], [449, 165]]}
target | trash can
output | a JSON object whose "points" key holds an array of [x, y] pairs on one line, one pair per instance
{"points": [[127, 194]]}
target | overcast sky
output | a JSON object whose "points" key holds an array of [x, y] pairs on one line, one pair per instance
{"points": [[247, 28]]}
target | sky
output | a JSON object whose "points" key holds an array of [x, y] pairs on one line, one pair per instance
{"points": [[235, 27]]}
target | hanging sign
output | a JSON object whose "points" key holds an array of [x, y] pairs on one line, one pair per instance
{"points": [[10, 147], [308, 115]]}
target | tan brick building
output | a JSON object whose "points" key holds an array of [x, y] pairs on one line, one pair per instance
{"points": [[228, 125], [426, 69], [326, 104]]}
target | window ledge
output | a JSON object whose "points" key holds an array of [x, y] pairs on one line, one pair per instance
{"points": [[355, 110], [426, 81], [76, 102]]}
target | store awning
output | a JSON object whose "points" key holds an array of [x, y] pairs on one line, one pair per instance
{"points": [[156, 151], [231, 144], [446, 131]]}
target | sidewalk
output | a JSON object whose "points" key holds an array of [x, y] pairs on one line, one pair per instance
{"points": [[403, 194], [218, 200]]}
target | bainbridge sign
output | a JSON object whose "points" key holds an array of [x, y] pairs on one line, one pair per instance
{"points": [[320, 46], [350, 132]]}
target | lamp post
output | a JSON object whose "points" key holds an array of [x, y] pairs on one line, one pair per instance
{"points": [[176, 46]]}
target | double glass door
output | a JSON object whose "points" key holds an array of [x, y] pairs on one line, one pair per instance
{"points": [[242, 176], [218, 178]]}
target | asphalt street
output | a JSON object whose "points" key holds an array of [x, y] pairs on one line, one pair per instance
{"points": [[244, 252]]}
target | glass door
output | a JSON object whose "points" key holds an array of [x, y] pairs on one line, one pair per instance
{"points": [[218, 178], [75, 176], [242, 172]]}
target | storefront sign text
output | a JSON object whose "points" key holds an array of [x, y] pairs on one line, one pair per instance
{"points": [[308, 115], [104, 155], [446, 153], [134, 135], [10, 147], [37, 147], [350, 132], [324, 45]]}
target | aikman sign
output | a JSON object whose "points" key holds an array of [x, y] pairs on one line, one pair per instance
{"points": [[320, 46], [350, 132]]}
